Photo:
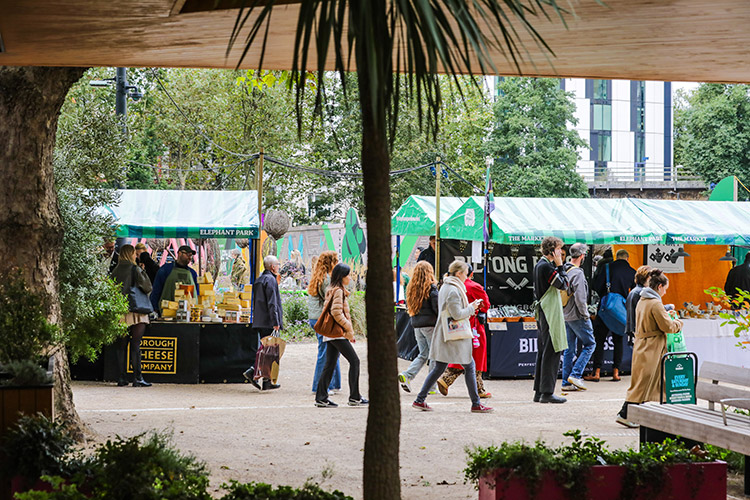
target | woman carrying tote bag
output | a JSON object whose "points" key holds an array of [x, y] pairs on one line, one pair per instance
{"points": [[452, 337], [338, 305], [135, 286]]}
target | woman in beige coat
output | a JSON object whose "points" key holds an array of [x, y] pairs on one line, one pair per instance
{"points": [[652, 324]]}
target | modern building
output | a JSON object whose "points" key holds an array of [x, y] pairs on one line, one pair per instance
{"points": [[628, 125]]}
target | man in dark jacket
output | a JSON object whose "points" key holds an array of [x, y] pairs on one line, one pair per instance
{"points": [[738, 278], [622, 280], [267, 313], [428, 253], [548, 272]]}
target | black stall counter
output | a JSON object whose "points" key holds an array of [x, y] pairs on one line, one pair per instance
{"points": [[512, 348], [183, 353]]}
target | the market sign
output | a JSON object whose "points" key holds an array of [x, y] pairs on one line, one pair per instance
{"points": [[158, 355]]}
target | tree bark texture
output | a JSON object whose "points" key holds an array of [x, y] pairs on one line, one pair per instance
{"points": [[30, 225], [381, 457]]}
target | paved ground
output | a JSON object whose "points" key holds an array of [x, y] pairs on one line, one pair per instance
{"points": [[281, 438]]}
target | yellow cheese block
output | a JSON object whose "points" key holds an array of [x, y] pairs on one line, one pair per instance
{"points": [[231, 301], [169, 304], [246, 295], [230, 307], [206, 286], [179, 293], [169, 313], [208, 277], [245, 304], [207, 293], [231, 295]]}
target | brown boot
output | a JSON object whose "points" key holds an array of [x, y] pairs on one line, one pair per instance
{"points": [[480, 387], [594, 377], [615, 375]]}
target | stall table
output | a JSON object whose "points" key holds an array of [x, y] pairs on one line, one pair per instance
{"points": [[713, 342], [182, 353]]}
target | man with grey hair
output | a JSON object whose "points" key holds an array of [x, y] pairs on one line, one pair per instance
{"points": [[577, 322], [267, 313]]}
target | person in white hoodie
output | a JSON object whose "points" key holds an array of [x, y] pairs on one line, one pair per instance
{"points": [[577, 322]]}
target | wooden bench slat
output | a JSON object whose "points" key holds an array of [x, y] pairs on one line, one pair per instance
{"points": [[715, 393], [725, 373], [700, 414], [682, 423]]}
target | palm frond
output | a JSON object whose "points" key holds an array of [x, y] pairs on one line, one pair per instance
{"points": [[418, 38]]}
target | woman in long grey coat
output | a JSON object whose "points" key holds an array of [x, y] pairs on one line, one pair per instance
{"points": [[454, 306]]}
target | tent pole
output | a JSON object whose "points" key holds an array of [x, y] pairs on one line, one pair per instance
{"points": [[398, 266], [484, 264], [438, 172]]}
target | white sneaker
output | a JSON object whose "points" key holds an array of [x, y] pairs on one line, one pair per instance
{"points": [[405, 385], [577, 382], [627, 423], [569, 388]]}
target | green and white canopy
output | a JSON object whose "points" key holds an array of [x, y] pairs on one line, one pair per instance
{"points": [[699, 222], [186, 214], [416, 216], [529, 220]]}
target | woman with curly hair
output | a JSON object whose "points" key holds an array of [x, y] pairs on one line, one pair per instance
{"points": [[316, 293], [422, 301]]}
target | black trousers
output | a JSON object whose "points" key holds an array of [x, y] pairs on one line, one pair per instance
{"points": [[333, 349], [601, 332], [547, 360], [134, 337]]}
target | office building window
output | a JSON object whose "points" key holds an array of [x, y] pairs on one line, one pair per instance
{"points": [[604, 147], [600, 90], [602, 117]]}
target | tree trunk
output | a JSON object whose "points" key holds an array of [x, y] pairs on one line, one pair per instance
{"points": [[381, 460], [30, 225]]}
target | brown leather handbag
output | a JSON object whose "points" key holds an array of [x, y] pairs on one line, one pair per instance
{"points": [[327, 325]]}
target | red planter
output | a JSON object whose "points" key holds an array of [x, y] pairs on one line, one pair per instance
{"points": [[703, 481]]}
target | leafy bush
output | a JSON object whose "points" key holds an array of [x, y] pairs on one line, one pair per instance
{"points": [[39, 445], [295, 307], [262, 491], [357, 310], [25, 372], [23, 319], [299, 330], [735, 461], [568, 463]]}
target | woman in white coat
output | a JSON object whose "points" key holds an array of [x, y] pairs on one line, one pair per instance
{"points": [[453, 304]]}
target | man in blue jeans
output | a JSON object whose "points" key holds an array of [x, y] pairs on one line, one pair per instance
{"points": [[577, 322]]}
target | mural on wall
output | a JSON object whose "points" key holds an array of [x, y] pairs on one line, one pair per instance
{"points": [[354, 244]]}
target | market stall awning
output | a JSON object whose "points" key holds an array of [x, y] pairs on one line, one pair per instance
{"points": [[416, 216], [699, 222], [186, 214], [529, 220]]}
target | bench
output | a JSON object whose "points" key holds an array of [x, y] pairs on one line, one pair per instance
{"points": [[693, 423]]}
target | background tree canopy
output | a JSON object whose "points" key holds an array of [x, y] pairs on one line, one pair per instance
{"points": [[196, 129], [712, 131]]}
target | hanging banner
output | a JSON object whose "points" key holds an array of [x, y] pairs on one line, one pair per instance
{"points": [[509, 269], [664, 258]]}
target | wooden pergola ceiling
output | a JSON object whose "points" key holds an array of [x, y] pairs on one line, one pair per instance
{"points": [[698, 40]]}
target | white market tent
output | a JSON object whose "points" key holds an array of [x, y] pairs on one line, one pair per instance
{"points": [[186, 214]]}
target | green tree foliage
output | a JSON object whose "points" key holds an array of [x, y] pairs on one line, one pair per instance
{"points": [[535, 152], [89, 159], [712, 131]]}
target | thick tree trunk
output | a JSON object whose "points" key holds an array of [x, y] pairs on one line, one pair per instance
{"points": [[30, 226], [381, 460]]}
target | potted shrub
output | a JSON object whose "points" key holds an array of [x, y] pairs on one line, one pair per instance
{"points": [[586, 469], [25, 386], [36, 447]]}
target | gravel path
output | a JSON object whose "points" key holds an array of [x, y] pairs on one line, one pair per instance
{"points": [[279, 437]]}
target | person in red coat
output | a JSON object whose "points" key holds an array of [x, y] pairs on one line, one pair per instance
{"points": [[474, 291]]}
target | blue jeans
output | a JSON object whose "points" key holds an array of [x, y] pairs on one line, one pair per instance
{"points": [[424, 338], [470, 376], [320, 363], [581, 331]]}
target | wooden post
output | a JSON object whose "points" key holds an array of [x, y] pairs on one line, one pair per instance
{"points": [[259, 186]]}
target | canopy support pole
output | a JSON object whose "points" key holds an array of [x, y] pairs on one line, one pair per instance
{"points": [[438, 172], [259, 187], [398, 267]]}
